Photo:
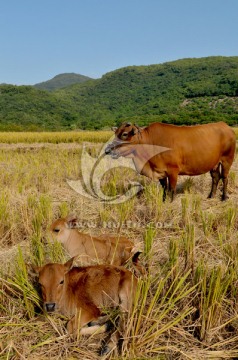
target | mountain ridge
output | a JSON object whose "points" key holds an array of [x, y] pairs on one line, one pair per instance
{"points": [[62, 80], [184, 91]]}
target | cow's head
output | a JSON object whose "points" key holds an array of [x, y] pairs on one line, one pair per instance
{"points": [[60, 229], [126, 136], [52, 283]]}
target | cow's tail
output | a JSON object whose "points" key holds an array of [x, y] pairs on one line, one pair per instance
{"points": [[139, 269]]}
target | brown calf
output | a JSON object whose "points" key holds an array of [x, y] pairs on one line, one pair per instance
{"points": [[90, 249], [81, 293]]}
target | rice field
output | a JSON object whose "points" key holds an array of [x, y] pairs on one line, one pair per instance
{"points": [[186, 305], [54, 137], [79, 137]]}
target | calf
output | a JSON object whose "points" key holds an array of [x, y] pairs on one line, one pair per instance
{"points": [[104, 249], [80, 293]]}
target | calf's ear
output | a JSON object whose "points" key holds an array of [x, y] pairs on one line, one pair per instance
{"points": [[71, 221], [114, 128], [69, 264], [134, 131], [33, 269]]}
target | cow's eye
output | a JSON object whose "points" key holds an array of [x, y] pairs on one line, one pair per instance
{"points": [[56, 230], [124, 135], [61, 282]]}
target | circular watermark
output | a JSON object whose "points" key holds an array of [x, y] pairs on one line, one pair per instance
{"points": [[93, 169]]}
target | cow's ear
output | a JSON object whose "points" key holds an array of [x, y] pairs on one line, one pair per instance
{"points": [[133, 132], [33, 270], [68, 265], [71, 221], [114, 128]]}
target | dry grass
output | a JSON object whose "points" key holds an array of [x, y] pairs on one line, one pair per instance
{"points": [[186, 308], [59, 137], [54, 137]]}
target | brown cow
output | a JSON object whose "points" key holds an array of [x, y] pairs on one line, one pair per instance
{"points": [[81, 294], [104, 249], [162, 151]]}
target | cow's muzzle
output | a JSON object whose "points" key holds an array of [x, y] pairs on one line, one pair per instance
{"points": [[111, 150], [108, 149], [50, 307]]}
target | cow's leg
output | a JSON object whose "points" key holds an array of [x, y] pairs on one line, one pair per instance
{"points": [[73, 327], [215, 174], [85, 322], [164, 184], [225, 167], [173, 178], [114, 339], [127, 292]]}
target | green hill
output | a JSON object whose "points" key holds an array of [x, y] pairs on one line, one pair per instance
{"points": [[185, 91], [26, 108], [61, 81]]}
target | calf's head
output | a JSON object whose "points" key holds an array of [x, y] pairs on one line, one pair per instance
{"points": [[125, 137], [52, 283], [61, 228]]}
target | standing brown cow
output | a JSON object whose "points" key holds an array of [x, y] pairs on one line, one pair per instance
{"points": [[81, 293], [162, 151]]}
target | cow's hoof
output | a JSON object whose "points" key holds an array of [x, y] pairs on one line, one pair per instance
{"points": [[224, 198], [104, 350], [109, 325], [92, 323]]}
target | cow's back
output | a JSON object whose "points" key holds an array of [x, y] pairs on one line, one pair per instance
{"points": [[100, 284], [193, 149], [102, 249], [174, 136]]}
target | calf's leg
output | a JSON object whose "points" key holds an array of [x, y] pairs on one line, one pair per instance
{"points": [[114, 339], [84, 322]]}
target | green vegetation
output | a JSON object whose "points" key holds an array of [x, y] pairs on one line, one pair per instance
{"points": [[182, 92], [26, 108], [61, 81]]}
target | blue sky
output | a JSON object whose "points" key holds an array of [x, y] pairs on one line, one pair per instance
{"points": [[40, 39]]}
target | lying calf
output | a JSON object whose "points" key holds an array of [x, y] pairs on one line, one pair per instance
{"points": [[104, 249], [80, 293]]}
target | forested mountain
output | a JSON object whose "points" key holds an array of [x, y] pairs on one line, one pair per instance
{"points": [[61, 81], [182, 92]]}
